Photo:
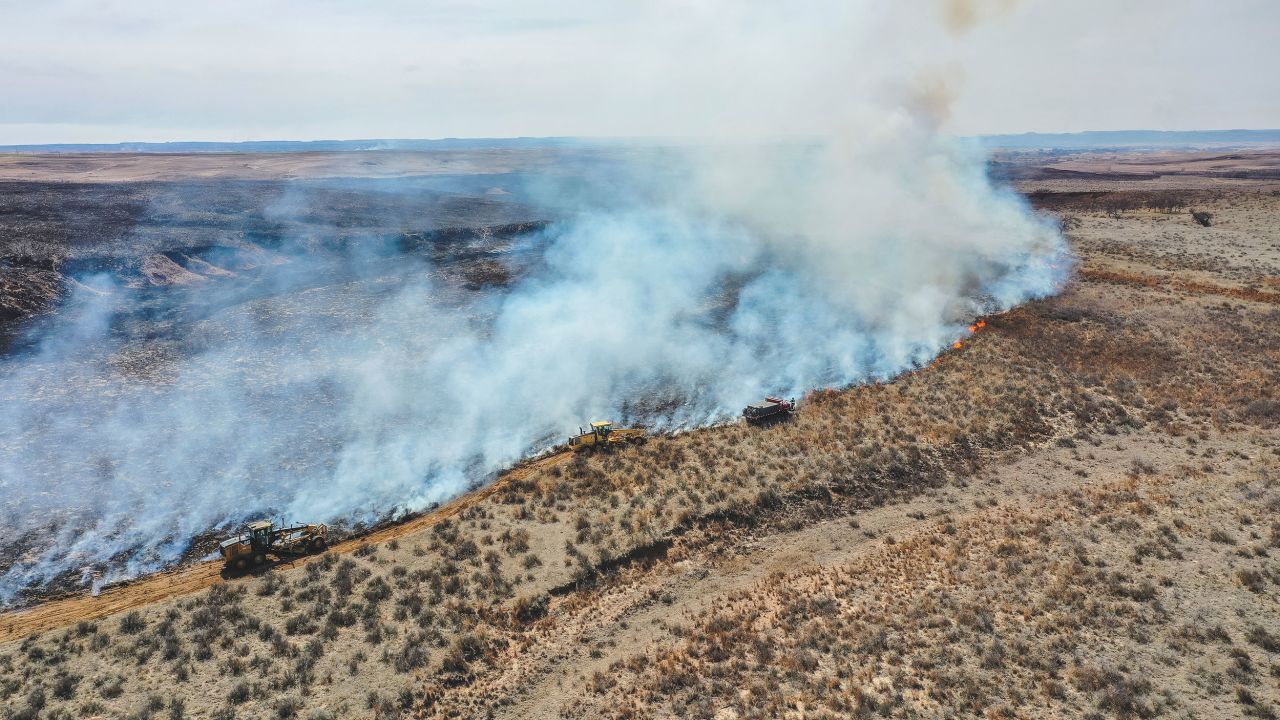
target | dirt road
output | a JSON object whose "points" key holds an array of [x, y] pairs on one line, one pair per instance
{"points": [[191, 578]]}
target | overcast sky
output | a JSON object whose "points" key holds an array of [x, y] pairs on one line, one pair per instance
{"points": [[135, 70]]}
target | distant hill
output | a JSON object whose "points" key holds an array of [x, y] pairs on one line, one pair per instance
{"points": [[282, 146], [1133, 138], [1088, 139]]}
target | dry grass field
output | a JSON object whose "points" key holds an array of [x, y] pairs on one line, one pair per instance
{"points": [[1075, 514]]}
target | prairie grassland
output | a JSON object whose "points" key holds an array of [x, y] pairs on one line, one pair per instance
{"points": [[1073, 514], [1148, 596]]}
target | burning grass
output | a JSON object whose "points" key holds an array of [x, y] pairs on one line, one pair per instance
{"points": [[448, 603], [1086, 602]]}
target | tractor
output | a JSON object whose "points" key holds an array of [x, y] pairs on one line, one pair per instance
{"points": [[604, 434], [259, 538]]}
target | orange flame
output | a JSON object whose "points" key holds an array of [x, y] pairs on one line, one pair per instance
{"points": [[975, 327]]}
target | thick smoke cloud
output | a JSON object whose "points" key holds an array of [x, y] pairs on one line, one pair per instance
{"points": [[672, 289], [390, 390]]}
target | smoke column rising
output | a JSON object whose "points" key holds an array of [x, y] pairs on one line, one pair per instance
{"points": [[672, 292]]}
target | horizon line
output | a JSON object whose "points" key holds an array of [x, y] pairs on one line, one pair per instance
{"points": [[1269, 135]]}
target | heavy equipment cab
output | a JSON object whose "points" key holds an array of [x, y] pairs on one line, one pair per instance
{"points": [[259, 534], [601, 430]]}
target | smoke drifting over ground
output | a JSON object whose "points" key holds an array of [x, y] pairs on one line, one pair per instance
{"points": [[343, 381], [347, 380]]}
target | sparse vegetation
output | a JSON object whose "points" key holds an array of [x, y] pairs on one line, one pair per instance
{"points": [[933, 580], [132, 623]]}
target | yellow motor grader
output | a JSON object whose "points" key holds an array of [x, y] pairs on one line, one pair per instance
{"points": [[604, 434], [260, 538]]}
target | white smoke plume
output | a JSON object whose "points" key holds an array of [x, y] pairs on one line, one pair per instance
{"points": [[681, 285]]}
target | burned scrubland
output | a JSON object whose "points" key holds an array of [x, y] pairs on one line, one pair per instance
{"points": [[144, 278], [352, 350], [1070, 515], [162, 233]]}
